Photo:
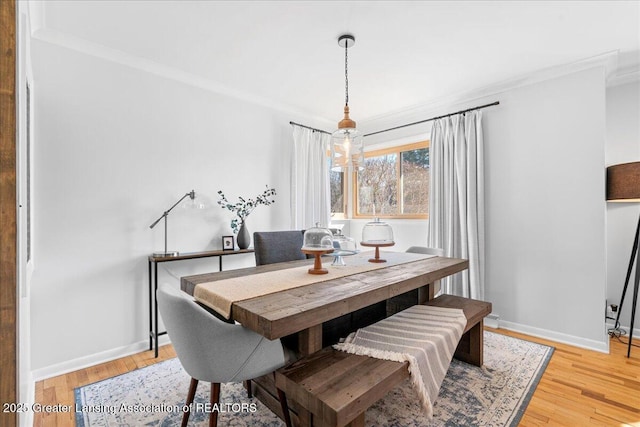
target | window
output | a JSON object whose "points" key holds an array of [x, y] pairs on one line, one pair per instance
{"points": [[394, 183]]}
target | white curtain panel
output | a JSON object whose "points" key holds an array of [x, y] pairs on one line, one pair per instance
{"points": [[310, 191], [456, 199]]}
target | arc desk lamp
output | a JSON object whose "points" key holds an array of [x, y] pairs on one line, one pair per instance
{"points": [[192, 195]]}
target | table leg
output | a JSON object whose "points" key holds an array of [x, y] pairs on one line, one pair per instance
{"points": [[310, 340], [425, 293]]}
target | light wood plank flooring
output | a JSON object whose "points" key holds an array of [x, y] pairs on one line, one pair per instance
{"points": [[579, 387]]}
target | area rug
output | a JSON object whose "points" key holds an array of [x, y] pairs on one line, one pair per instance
{"points": [[495, 395]]}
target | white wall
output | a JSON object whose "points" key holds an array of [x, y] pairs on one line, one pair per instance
{"points": [[116, 147], [623, 146], [545, 208]]}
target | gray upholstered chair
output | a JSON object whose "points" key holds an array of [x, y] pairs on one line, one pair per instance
{"points": [[428, 251], [213, 350], [277, 246]]}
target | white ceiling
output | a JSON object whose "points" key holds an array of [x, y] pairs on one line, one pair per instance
{"points": [[406, 53]]}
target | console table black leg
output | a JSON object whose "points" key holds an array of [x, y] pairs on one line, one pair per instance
{"points": [[150, 309], [155, 307]]}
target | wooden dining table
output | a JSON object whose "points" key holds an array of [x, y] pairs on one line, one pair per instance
{"points": [[302, 310]]}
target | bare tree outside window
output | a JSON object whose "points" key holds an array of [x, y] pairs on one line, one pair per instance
{"points": [[415, 181], [337, 185], [394, 182], [378, 186]]}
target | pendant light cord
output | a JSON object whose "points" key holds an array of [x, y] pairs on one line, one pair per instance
{"points": [[346, 74]]}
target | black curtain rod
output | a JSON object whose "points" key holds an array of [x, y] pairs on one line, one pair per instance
{"points": [[409, 124], [435, 118], [309, 127]]}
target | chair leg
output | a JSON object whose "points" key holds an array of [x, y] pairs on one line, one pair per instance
{"points": [[215, 398], [247, 385], [285, 407], [192, 392]]}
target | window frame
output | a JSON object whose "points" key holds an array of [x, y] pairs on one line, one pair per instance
{"points": [[398, 149]]}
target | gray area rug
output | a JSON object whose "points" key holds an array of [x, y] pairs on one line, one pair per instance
{"points": [[495, 395]]}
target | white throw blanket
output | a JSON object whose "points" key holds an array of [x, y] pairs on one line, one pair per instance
{"points": [[424, 336]]}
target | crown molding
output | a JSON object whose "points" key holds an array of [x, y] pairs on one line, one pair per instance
{"points": [[96, 50], [625, 76], [608, 61]]}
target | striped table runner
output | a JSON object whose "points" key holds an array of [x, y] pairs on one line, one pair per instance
{"points": [[424, 336]]}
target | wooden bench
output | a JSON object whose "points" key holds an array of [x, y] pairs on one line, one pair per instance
{"points": [[336, 387], [471, 343]]}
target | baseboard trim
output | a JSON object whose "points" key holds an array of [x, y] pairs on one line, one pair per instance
{"points": [[93, 359], [602, 347]]}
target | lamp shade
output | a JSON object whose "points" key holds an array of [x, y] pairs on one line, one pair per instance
{"points": [[347, 149], [623, 182]]}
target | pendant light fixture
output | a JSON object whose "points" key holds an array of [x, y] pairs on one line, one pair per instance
{"points": [[347, 146]]}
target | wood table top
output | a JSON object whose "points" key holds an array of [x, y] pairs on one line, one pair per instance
{"points": [[283, 313]]}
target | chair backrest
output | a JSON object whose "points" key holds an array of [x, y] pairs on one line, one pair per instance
{"points": [[211, 349], [437, 285], [425, 250], [277, 246]]}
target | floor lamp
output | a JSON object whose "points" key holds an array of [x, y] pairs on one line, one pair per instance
{"points": [[623, 185]]}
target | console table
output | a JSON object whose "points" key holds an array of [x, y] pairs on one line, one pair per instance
{"points": [[154, 260]]}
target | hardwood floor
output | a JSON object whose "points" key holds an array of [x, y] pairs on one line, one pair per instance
{"points": [[579, 387]]}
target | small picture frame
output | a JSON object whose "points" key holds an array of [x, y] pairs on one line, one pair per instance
{"points": [[227, 243]]}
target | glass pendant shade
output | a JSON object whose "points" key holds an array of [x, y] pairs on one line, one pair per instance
{"points": [[347, 146], [377, 233], [317, 239]]}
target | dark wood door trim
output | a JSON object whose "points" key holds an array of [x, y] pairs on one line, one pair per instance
{"points": [[8, 214]]}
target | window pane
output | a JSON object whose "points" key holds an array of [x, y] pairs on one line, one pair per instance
{"points": [[378, 186], [415, 181], [336, 182]]}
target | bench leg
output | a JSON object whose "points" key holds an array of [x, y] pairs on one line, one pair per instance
{"points": [[470, 348], [357, 422]]}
